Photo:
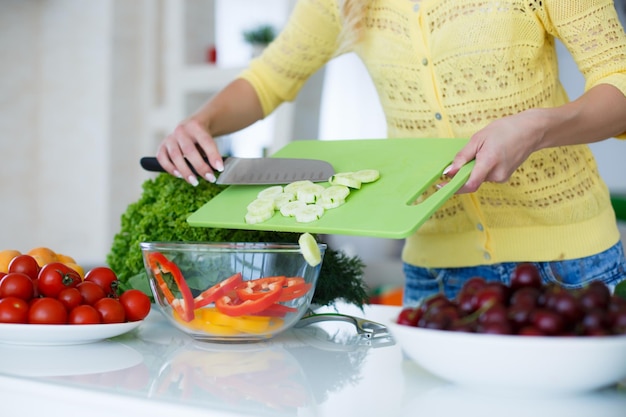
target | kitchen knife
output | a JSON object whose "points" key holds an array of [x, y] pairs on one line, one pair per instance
{"points": [[250, 171]]}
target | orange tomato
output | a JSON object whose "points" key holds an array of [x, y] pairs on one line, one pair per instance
{"points": [[65, 258], [6, 256], [76, 267], [43, 255]]}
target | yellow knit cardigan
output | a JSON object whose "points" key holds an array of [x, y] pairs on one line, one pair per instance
{"points": [[446, 68]]}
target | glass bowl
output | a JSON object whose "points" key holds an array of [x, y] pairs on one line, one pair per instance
{"points": [[231, 291]]}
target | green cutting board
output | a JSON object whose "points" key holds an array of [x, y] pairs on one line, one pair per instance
{"points": [[379, 209]]}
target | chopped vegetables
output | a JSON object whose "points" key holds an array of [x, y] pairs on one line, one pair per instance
{"points": [[306, 201], [233, 305]]}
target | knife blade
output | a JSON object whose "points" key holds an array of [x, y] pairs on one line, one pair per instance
{"points": [[251, 171]]}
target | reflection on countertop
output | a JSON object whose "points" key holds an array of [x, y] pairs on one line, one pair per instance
{"points": [[323, 369]]}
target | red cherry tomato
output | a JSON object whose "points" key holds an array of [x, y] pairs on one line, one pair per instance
{"points": [[136, 304], [105, 277], [13, 310], [25, 264], [17, 284], [54, 277], [71, 298], [111, 310], [91, 292], [84, 314], [47, 310]]}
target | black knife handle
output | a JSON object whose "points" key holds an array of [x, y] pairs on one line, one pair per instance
{"points": [[150, 163]]}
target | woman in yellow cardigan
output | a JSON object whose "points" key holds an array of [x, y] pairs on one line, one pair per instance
{"points": [[451, 68]]}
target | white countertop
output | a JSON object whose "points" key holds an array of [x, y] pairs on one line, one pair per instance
{"points": [[321, 370]]}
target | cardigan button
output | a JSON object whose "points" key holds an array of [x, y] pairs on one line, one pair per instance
{"points": [[438, 116], [425, 61], [416, 7]]}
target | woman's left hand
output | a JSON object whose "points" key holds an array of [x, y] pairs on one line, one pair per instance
{"points": [[499, 149]]}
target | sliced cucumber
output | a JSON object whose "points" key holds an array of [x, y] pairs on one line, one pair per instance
{"points": [[292, 187], [310, 249], [330, 204], [283, 198], [258, 217], [309, 213], [270, 192], [309, 193], [333, 196], [335, 192], [366, 175], [261, 205], [345, 178], [259, 210], [290, 209], [306, 200]]}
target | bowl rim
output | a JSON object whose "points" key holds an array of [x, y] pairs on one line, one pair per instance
{"points": [[229, 246], [508, 338]]}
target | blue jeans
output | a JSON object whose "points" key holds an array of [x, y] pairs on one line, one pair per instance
{"points": [[608, 266]]}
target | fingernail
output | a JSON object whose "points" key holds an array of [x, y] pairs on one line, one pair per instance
{"points": [[193, 180], [210, 177], [219, 166], [177, 174], [447, 169]]}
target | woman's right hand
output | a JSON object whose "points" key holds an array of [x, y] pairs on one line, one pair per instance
{"points": [[186, 147], [191, 144]]}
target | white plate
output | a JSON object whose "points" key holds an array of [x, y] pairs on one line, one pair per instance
{"points": [[61, 334]]}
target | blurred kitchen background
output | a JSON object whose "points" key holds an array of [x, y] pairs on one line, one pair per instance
{"points": [[89, 87]]}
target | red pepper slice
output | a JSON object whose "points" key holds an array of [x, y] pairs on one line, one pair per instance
{"points": [[160, 265], [218, 290], [235, 306], [276, 310], [257, 288], [294, 287]]}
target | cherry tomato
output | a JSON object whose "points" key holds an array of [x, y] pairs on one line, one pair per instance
{"points": [[47, 310], [136, 304], [105, 277], [71, 298], [111, 310], [17, 284], [54, 277], [25, 264], [91, 292], [13, 310], [84, 314]]}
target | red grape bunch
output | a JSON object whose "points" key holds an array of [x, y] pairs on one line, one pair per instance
{"points": [[524, 307]]}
